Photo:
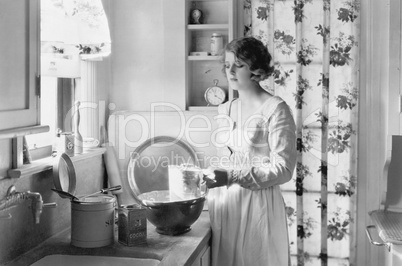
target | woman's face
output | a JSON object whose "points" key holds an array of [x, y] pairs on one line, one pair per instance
{"points": [[237, 72]]}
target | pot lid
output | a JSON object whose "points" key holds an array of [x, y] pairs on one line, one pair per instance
{"points": [[64, 177], [96, 199]]}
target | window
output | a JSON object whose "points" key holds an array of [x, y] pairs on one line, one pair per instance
{"points": [[73, 34], [56, 101]]}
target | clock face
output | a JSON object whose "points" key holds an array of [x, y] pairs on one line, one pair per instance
{"points": [[215, 95]]}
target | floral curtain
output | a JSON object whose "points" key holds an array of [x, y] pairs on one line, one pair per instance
{"points": [[315, 50]]}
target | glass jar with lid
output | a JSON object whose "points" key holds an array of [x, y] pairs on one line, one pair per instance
{"points": [[216, 43]]}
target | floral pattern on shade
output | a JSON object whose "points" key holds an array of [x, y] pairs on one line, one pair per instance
{"points": [[315, 53], [74, 27]]}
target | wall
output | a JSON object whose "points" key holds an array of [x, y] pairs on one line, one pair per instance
{"points": [[147, 53]]}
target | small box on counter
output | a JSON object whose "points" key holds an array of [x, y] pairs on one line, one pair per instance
{"points": [[66, 143], [132, 225]]}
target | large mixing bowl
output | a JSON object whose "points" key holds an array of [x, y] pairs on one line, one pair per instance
{"points": [[171, 217], [162, 176]]}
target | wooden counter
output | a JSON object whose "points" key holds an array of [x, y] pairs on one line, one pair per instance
{"points": [[170, 250]]}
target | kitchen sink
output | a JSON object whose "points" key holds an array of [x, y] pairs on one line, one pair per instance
{"points": [[87, 260]]}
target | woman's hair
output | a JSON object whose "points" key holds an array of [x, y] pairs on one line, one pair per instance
{"points": [[252, 52]]}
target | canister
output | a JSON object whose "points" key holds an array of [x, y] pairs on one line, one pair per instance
{"points": [[66, 143], [92, 221], [132, 225], [216, 43]]}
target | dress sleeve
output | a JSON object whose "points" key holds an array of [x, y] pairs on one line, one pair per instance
{"points": [[278, 169]]}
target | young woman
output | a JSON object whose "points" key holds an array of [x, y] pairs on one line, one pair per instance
{"points": [[247, 211]]}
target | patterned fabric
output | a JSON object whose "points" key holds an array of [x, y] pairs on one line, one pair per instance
{"points": [[74, 27], [315, 49]]}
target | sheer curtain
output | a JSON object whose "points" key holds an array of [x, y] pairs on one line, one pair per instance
{"points": [[314, 44], [72, 27]]}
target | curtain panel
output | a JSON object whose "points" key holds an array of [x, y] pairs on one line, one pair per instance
{"points": [[315, 49], [72, 27]]}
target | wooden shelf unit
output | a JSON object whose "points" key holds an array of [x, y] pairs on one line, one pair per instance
{"points": [[201, 71]]}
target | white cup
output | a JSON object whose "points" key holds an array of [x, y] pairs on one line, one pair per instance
{"points": [[89, 143]]}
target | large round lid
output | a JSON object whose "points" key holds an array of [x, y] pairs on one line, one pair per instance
{"points": [[64, 177], [148, 164], [96, 199]]}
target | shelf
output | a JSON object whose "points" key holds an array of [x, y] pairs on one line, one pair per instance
{"points": [[203, 58], [203, 108], [218, 16], [22, 131], [208, 0], [45, 164], [208, 26]]}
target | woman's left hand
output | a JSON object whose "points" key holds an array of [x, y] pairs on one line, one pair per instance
{"points": [[215, 177]]}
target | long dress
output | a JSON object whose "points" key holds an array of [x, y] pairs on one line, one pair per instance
{"points": [[248, 219]]}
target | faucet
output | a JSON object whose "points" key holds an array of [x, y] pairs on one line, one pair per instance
{"points": [[14, 198]]}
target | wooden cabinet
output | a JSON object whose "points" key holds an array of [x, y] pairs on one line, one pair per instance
{"points": [[19, 66], [203, 69], [393, 256], [204, 258]]}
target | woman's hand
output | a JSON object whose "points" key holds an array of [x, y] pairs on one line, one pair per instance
{"points": [[215, 177]]}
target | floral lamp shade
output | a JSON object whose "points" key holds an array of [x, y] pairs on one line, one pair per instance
{"points": [[72, 30]]}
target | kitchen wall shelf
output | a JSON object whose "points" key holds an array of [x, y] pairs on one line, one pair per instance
{"points": [[218, 16], [203, 108], [45, 164], [22, 131], [208, 27], [205, 58]]}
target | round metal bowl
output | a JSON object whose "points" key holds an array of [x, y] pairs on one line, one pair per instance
{"points": [[171, 217]]}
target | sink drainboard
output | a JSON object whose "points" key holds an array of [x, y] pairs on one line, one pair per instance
{"points": [[78, 260]]}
